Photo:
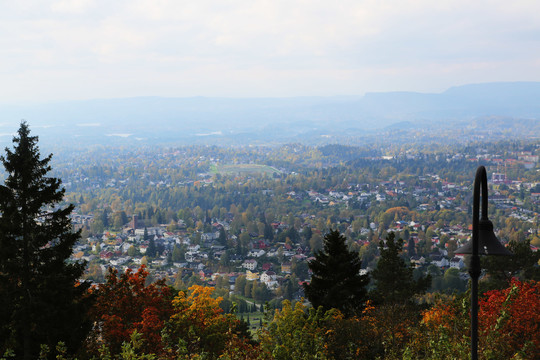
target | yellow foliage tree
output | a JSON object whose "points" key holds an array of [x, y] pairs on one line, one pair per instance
{"points": [[198, 326], [295, 334]]}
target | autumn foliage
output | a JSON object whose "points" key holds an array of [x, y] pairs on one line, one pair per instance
{"points": [[443, 332], [185, 326], [509, 320], [358, 337], [124, 304], [295, 333], [299, 332], [153, 324], [198, 324]]}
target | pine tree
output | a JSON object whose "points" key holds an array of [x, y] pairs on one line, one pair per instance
{"points": [[268, 232], [41, 299], [411, 247], [336, 281], [393, 278], [395, 288], [222, 236], [151, 250]]}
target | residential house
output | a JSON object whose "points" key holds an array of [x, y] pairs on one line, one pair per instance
{"points": [[440, 261], [194, 248], [418, 260], [457, 262], [269, 279], [286, 267], [268, 276], [250, 264], [210, 236], [252, 276], [256, 253]]}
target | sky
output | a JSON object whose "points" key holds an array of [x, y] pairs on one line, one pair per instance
{"points": [[87, 49]]}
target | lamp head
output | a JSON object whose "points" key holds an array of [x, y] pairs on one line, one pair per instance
{"points": [[488, 244]]}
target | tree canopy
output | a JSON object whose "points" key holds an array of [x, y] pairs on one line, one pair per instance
{"points": [[393, 278], [124, 304], [41, 298], [523, 265], [336, 281]]}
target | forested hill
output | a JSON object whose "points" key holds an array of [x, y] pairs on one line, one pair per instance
{"points": [[267, 120]]}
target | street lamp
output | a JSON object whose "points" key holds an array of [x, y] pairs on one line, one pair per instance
{"points": [[484, 242]]}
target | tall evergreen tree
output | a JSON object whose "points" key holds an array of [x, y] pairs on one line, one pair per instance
{"points": [[222, 236], [393, 278], [41, 298], [411, 247], [307, 234], [268, 232], [105, 218], [394, 291], [336, 281], [151, 250]]}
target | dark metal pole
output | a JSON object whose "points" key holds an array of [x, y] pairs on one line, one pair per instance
{"points": [[475, 274], [479, 181]]}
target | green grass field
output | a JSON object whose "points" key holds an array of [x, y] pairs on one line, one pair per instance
{"points": [[232, 169]]}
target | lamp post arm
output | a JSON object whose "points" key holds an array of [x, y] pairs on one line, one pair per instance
{"points": [[484, 192]]}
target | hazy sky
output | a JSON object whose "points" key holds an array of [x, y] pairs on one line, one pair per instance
{"points": [[82, 49]]}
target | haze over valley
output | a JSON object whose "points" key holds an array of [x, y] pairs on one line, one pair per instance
{"points": [[510, 108]]}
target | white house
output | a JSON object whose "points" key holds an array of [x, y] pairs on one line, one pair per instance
{"points": [[250, 264], [268, 276], [457, 263], [256, 253], [440, 261], [210, 236], [125, 247], [194, 248]]}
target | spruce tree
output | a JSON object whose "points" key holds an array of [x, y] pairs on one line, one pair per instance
{"points": [[394, 292], [41, 298], [151, 250], [222, 236], [393, 278], [336, 281], [411, 247]]}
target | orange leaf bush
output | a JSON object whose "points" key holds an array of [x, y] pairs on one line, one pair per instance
{"points": [[124, 304], [509, 320]]}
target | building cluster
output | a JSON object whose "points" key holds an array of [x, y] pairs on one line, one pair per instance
{"points": [[205, 255]]}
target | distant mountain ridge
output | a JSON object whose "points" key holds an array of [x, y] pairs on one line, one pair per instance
{"points": [[188, 119], [517, 99]]}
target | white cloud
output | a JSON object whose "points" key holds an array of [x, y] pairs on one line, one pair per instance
{"points": [[72, 6], [89, 49]]}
